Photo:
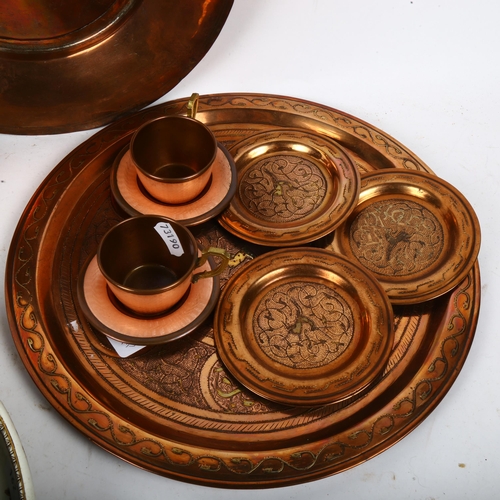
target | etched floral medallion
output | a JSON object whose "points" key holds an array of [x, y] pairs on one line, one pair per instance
{"points": [[282, 188], [303, 325], [414, 230], [226, 395], [396, 237]]}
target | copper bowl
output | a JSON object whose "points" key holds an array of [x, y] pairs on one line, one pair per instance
{"points": [[67, 66]]}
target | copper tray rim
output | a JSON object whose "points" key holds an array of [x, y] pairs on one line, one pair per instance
{"points": [[31, 63], [117, 129], [78, 39]]}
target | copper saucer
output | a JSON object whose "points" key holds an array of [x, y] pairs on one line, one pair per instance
{"points": [[414, 231], [293, 187], [134, 200], [303, 326], [109, 318]]}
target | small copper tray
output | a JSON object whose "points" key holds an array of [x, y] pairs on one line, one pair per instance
{"points": [[174, 409], [304, 326]]}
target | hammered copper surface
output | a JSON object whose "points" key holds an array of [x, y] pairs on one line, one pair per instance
{"points": [[293, 188], [304, 326], [414, 231], [174, 409], [68, 66]]}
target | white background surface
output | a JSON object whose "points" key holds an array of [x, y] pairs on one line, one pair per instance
{"points": [[424, 71]]}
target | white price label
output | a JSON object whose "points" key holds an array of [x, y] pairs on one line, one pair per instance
{"points": [[169, 236], [125, 350]]}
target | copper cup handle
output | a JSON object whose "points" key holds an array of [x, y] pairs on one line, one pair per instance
{"points": [[192, 105], [215, 252]]}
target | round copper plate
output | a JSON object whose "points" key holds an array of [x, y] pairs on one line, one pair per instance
{"points": [[106, 315], [304, 327], [175, 410], [414, 231], [293, 188], [68, 66], [134, 200]]}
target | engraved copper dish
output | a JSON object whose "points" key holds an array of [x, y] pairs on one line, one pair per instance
{"points": [[414, 231], [303, 326], [175, 410], [68, 66], [133, 199], [293, 188]]}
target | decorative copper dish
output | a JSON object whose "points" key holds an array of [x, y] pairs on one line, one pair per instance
{"points": [[134, 200], [304, 326], [174, 409], [414, 231], [69, 66], [293, 188]]}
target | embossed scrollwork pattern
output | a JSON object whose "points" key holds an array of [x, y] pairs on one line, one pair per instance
{"points": [[283, 188], [396, 237], [308, 459], [303, 325]]}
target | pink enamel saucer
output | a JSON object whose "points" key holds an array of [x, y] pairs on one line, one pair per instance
{"points": [[131, 196], [107, 316]]}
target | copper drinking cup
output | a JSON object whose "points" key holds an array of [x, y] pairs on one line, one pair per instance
{"points": [[173, 157], [149, 262]]}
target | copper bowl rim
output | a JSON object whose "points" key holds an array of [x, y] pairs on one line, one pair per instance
{"points": [[177, 180], [79, 39], [149, 291]]}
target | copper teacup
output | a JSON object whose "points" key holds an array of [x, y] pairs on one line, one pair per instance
{"points": [[149, 262], [173, 157]]}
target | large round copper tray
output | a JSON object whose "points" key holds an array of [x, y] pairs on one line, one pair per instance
{"points": [[174, 409], [68, 66]]}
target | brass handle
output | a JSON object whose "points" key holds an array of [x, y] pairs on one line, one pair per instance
{"points": [[216, 252], [192, 105]]}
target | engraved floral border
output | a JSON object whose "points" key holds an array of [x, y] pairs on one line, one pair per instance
{"points": [[330, 455]]}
